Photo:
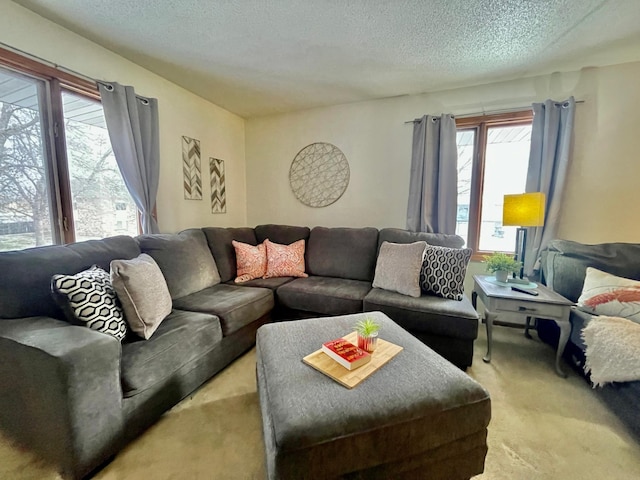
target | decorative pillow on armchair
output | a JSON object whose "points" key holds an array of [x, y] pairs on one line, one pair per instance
{"points": [[143, 292], [398, 267], [443, 271], [285, 260], [251, 261], [88, 299], [606, 294]]}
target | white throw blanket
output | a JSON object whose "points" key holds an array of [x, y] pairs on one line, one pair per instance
{"points": [[613, 350]]}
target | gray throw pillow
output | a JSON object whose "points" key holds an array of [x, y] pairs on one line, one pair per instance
{"points": [[87, 298], [185, 260], [443, 271], [143, 293], [398, 267]]}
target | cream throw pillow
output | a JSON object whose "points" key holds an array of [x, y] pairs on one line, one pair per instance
{"points": [[606, 294], [143, 293], [398, 267]]}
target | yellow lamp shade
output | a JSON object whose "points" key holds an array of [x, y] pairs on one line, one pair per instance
{"points": [[523, 210]]}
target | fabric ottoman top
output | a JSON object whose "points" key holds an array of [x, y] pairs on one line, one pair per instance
{"points": [[307, 407]]}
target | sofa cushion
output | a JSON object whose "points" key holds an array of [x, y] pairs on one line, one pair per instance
{"points": [[342, 252], [181, 338], [284, 234], [143, 293], [397, 235], [27, 291], [219, 240], [236, 306], [443, 271], [88, 299], [285, 260], [251, 261], [428, 313], [324, 295], [398, 267], [185, 260]]}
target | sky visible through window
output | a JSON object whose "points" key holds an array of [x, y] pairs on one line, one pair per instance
{"points": [[505, 172]]}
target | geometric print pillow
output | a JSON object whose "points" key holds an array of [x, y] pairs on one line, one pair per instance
{"points": [[606, 294], [443, 270], [88, 298]]}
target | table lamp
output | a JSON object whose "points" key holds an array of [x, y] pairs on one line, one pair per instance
{"points": [[522, 211]]}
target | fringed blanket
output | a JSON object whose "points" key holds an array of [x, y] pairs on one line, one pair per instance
{"points": [[613, 350]]}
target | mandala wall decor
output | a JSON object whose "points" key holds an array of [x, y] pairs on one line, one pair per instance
{"points": [[192, 176], [218, 189], [319, 174]]}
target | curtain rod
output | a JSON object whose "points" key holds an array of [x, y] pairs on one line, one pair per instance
{"points": [[487, 112], [48, 63], [59, 67]]}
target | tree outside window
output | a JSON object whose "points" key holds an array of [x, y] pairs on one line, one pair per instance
{"points": [[59, 181]]}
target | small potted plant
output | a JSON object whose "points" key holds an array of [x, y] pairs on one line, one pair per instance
{"points": [[367, 331], [502, 265]]}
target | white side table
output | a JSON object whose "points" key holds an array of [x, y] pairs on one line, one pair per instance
{"points": [[501, 299]]}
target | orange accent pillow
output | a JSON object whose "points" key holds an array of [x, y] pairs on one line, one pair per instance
{"points": [[251, 260], [285, 260]]}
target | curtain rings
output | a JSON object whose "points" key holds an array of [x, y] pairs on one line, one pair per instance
{"points": [[143, 101], [108, 87]]}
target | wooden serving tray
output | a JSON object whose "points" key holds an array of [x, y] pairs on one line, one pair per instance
{"points": [[322, 362]]}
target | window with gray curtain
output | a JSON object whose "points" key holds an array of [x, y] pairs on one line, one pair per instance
{"points": [[57, 185]]}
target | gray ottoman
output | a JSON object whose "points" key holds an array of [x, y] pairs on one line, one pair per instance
{"points": [[417, 417]]}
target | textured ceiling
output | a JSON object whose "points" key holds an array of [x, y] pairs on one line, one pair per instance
{"points": [[256, 57]]}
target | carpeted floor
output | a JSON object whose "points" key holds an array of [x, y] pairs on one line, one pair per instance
{"points": [[543, 427]]}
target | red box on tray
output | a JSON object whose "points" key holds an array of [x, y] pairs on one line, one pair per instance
{"points": [[346, 353]]}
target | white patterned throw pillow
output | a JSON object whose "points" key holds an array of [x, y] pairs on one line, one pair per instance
{"points": [[88, 298], [606, 294], [443, 271]]}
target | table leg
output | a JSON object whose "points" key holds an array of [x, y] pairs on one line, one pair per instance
{"points": [[565, 331], [527, 327], [489, 322]]}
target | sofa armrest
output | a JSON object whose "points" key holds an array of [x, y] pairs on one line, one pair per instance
{"points": [[61, 392]]}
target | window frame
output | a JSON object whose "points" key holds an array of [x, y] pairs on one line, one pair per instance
{"points": [[57, 164], [480, 125]]}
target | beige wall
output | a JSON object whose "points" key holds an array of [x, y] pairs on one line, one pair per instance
{"points": [[377, 143], [220, 132]]}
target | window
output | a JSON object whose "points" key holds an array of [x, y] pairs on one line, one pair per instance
{"points": [[493, 156], [59, 181]]}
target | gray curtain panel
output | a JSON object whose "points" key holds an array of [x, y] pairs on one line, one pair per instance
{"points": [[433, 187], [132, 122], [548, 166]]}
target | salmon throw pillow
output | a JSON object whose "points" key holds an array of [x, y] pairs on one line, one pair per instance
{"points": [[285, 260], [606, 294], [251, 260]]}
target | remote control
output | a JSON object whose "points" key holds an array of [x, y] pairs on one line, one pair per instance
{"points": [[522, 290]]}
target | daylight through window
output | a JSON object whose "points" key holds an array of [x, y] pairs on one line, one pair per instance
{"points": [[59, 181], [493, 157]]}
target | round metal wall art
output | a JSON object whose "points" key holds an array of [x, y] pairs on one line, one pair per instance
{"points": [[319, 174]]}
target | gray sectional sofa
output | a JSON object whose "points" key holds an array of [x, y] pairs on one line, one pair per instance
{"points": [[76, 396], [564, 265]]}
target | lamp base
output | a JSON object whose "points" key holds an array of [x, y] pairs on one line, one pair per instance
{"points": [[519, 281]]}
